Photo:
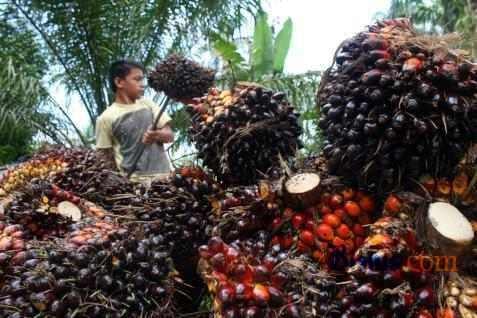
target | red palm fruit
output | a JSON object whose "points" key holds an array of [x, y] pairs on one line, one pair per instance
{"points": [[253, 312], [276, 223], [243, 273], [226, 294], [302, 247], [261, 294], [243, 291], [460, 184], [412, 64], [336, 200], [359, 230], [231, 254], [310, 225], [332, 220], [307, 237], [218, 262], [261, 274], [367, 204], [216, 245], [269, 262], [337, 241], [393, 204], [286, 241], [352, 208], [325, 209], [343, 231], [297, 220], [325, 198], [340, 213], [279, 279], [348, 194], [324, 232], [319, 256], [288, 213], [444, 187], [429, 183]]}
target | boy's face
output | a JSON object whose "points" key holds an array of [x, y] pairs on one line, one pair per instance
{"points": [[132, 85]]}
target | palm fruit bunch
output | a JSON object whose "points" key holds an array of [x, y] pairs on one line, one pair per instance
{"points": [[242, 280], [12, 244], [459, 297], [181, 78], [92, 178], [387, 280], [396, 104], [329, 231], [126, 274], [40, 166], [241, 133], [241, 211], [36, 208]]}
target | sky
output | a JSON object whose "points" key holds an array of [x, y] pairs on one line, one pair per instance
{"points": [[319, 26]]}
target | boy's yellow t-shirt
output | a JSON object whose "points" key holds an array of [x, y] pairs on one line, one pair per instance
{"points": [[122, 127]]}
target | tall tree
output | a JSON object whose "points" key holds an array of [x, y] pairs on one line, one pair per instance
{"points": [[22, 97], [84, 37]]}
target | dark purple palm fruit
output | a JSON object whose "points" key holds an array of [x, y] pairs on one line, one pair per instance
{"points": [[181, 78], [394, 106]]}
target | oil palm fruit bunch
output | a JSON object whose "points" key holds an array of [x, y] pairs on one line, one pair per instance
{"points": [[242, 279], [40, 166], [181, 78], [241, 211], [387, 279], [459, 295], [240, 133], [181, 207], [128, 275], [92, 178], [36, 208], [395, 105], [329, 231]]}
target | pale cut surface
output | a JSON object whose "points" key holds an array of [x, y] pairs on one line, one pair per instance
{"points": [[449, 222], [70, 210], [302, 183]]}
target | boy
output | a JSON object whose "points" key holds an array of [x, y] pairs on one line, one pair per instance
{"points": [[127, 123]]}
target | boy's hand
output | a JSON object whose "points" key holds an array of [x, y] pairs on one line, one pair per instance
{"points": [[162, 135]]}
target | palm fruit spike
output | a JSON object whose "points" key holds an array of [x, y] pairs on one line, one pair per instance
{"points": [[181, 78], [241, 133], [395, 106]]}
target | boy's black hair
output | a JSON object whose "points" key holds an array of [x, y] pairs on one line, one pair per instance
{"points": [[121, 69]]}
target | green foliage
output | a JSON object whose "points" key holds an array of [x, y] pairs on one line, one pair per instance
{"points": [[281, 47], [262, 49], [85, 37]]}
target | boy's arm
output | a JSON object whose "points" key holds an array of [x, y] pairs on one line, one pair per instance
{"points": [[163, 135]]}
